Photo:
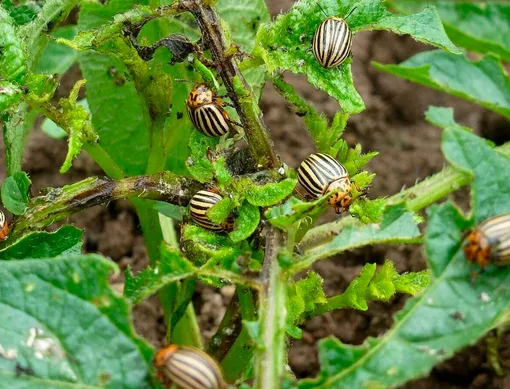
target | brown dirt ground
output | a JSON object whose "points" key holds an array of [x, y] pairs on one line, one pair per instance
{"points": [[409, 148]]}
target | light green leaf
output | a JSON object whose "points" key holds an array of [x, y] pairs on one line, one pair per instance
{"points": [[67, 241], [442, 117], [221, 210], [199, 165], [484, 82], [16, 127], [57, 58], [67, 327], [430, 328], [285, 43], [13, 65], [51, 129], [397, 226], [480, 27], [10, 94], [15, 192], [170, 268], [270, 194], [491, 171], [246, 223]]}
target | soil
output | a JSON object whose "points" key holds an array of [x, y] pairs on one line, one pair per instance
{"points": [[409, 148]]}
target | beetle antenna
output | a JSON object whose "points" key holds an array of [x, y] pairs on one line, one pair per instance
{"points": [[350, 12], [322, 9], [183, 80]]}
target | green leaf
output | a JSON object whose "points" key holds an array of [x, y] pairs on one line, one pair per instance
{"points": [[452, 313], [303, 296], [22, 13], [270, 194], [483, 82], [246, 223], [244, 18], [285, 43], [479, 27], [15, 193], [491, 171], [13, 65], [397, 226], [442, 117], [170, 210], [201, 246], [199, 165], [118, 114], [67, 327], [57, 58], [219, 212], [170, 268], [10, 95], [16, 127], [67, 240], [51, 129], [285, 215]]}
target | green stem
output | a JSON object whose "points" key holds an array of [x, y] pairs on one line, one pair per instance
{"points": [[270, 359], [416, 198]]}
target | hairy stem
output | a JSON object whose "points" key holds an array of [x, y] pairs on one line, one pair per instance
{"points": [[237, 89], [270, 359]]}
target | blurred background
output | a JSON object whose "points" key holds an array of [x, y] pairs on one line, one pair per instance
{"points": [[409, 150]]}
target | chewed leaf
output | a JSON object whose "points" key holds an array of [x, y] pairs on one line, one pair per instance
{"points": [[246, 223], [285, 44], [484, 82], [269, 194]]}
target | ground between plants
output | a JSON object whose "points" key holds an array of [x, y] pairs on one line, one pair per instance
{"points": [[409, 148]]}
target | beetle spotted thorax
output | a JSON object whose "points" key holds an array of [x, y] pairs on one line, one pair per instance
{"points": [[342, 200]]}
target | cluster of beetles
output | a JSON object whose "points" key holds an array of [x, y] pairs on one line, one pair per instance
{"points": [[190, 368]]}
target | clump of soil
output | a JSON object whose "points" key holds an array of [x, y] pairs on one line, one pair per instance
{"points": [[393, 124]]}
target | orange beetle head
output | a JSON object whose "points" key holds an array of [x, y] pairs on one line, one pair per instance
{"points": [[200, 94], [342, 200], [163, 355]]}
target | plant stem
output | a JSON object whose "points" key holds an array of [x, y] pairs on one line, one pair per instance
{"points": [[237, 88], [270, 359], [59, 203], [416, 198]]}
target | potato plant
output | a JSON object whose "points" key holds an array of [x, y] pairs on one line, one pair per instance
{"points": [[63, 326]]}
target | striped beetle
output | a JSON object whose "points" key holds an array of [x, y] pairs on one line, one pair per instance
{"points": [[200, 203], [490, 242], [188, 368], [206, 111], [4, 227], [320, 173], [332, 42]]}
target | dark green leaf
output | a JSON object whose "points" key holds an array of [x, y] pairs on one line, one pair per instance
{"points": [[22, 13], [431, 327], [67, 327], [480, 27], [491, 171], [170, 210], [15, 192], [270, 194], [285, 43], [57, 58], [67, 241], [246, 223], [397, 226], [170, 268], [484, 82], [118, 114]]}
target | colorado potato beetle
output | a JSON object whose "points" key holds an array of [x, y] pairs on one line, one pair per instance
{"points": [[206, 112], [490, 242], [4, 227], [188, 368], [200, 203], [332, 42], [320, 174]]}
